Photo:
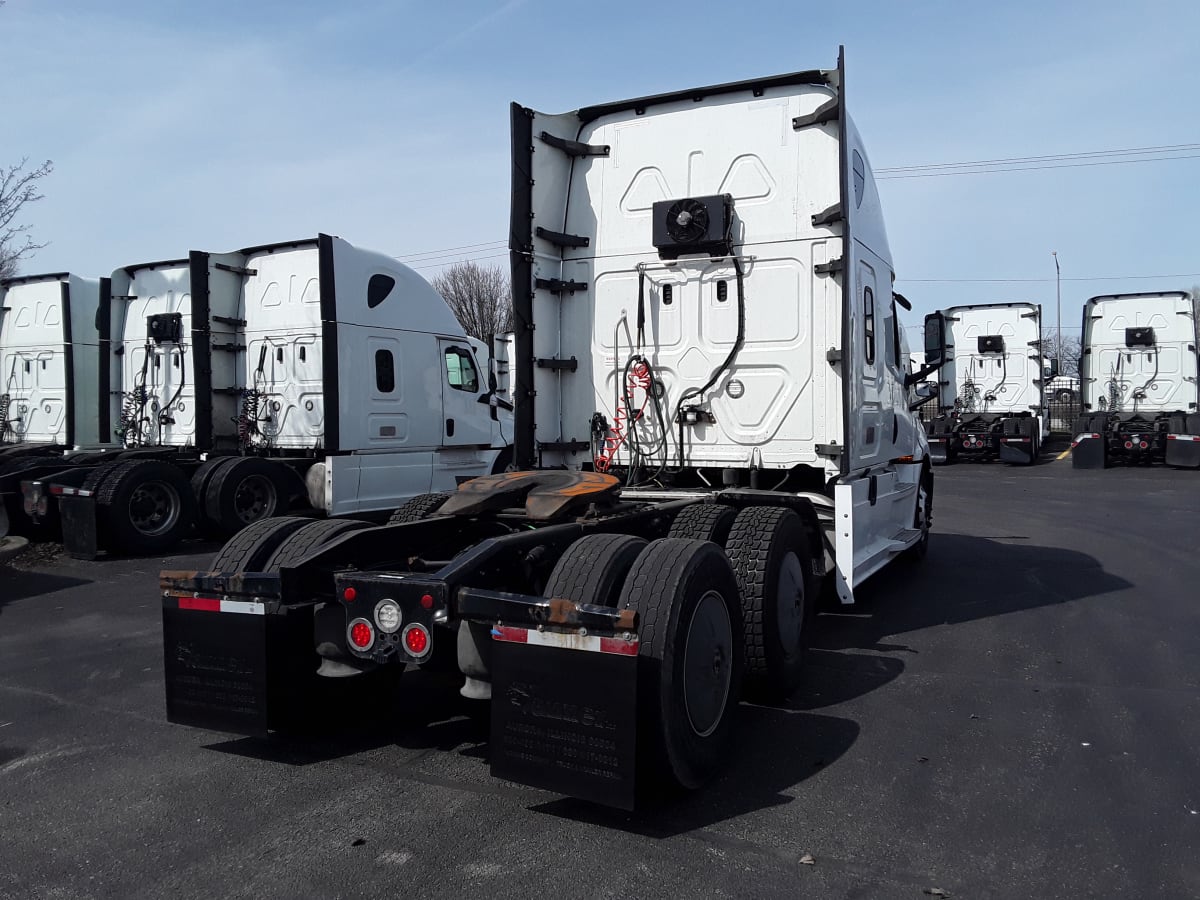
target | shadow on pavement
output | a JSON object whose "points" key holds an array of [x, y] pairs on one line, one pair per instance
{"points": [[16, 584], [964, 579]]}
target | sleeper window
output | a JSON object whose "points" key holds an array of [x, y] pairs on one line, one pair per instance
{"points": [[385, 371], [869, 324]]}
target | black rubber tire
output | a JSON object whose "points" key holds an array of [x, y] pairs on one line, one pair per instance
{"points": [[98, 475], [300, 544], [200, 481], [119, 491], [503, 460], [667, 584], [763, 540], [417, 508], [221, 496], [704, 522], [1193, 424], [250, 548], [1029, 429], [920, 549], [593, 569]]}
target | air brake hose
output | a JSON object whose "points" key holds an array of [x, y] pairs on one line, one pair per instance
{"points": [[728, 362]]}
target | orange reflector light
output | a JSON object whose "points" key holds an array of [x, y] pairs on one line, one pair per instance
{"points": [[360, 635]]}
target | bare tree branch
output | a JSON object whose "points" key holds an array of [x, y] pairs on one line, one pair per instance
{"points": [[480, 297], [17, 188]]}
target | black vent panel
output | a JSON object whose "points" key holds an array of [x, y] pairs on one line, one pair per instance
{"points": [[991, 343], [694, 225]]}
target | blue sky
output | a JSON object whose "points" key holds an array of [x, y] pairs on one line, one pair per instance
{"points": [[177, 126]]}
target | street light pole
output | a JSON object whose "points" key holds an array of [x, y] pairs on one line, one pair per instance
{"points": [[1058, 297]]}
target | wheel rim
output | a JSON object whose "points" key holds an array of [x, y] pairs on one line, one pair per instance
{"points": [[707, 663], [789, 604], [254, 498], [154, 508], [923, 509]]}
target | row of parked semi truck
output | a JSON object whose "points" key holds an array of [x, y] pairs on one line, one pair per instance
{"points": [[204, 393], [1136, 389], [714, 425]]}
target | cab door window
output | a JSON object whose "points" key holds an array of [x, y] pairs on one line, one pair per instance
{"points": [[460, 370]]}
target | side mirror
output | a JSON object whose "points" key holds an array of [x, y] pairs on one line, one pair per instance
{"points": [[935, 339]]}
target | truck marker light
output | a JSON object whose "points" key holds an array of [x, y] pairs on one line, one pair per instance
{"points": [[361, 634], [1129, 445], [349, 594], [387, 616], [1143, 444], [427, 601], [416, 640]]}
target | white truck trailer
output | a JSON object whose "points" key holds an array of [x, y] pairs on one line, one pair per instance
{"points": [[49, 363], [308, 374], [1138, 382], [710, 385], [991, 404]]}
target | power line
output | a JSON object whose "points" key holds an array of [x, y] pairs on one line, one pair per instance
{"points": [[445, 250], [1065, 165], [475, 259], [1166, 148], [1045, 280]]}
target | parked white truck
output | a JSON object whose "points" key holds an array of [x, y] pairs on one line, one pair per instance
{"points": [[991, 404], [1138, 382], [711, 416], [238, 386]]}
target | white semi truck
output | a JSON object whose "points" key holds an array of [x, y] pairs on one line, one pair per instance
{"points": [[991, 402], [1138, 382], [712, 419], [233, 387]]}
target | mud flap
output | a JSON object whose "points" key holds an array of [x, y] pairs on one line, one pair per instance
{"points": [[564, 713], [80, 536], [236, 665], [1087, 452], [4, 523], [1183, 450], [1016, 450], [939, 451]]}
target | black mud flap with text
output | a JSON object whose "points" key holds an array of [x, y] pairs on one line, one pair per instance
{"points": [[235, 665], [564, 713], [1088, 452], [1016, 450], [81, 539]]}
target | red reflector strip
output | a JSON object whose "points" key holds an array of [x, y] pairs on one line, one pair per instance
{"points": [[572, 641], [212, 604], [1015, 440], [59, 491], [1183, 437]]}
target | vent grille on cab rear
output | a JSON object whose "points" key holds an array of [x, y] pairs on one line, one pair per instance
{"points": [[693, 225]]}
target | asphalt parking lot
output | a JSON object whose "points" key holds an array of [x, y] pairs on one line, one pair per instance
{"points": [[1017, 716]]}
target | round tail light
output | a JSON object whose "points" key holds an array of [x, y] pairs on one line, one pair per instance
{"points": [[361, 635], [1129, 445], [349, 594], [416, 640], [1143, 445]]}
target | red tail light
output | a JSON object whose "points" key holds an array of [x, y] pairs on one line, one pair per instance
{"points": [[361, 634], [349, 594], [416, 640]]}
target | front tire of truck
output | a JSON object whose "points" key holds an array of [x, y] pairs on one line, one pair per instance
{"points": [[922, 517], [146, 505], [689, 659], [769, 550]]}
